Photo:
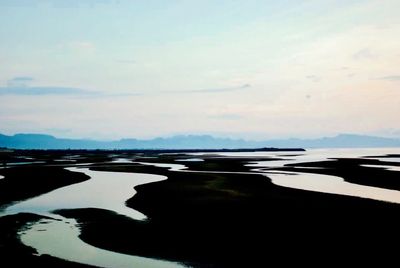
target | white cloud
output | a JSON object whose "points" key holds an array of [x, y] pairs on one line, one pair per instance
{"points": [[281, 57]]}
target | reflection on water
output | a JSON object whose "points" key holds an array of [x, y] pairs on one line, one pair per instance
{"points": [[327, 183], [109, 190], [24, 163], [332, 185], [64, 160], [392, 168], [60, 238], [171, 167], [310, 154], [308, 181], [122, 160], [105, 190], [190, 160]]}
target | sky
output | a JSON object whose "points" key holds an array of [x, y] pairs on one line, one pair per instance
{"points": [[110, 69]]}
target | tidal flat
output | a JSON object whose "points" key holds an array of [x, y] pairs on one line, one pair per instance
{"points": [[226, 209]]}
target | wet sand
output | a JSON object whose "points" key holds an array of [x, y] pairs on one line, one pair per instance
{"points": [[354, 171], [23, 183], [220, 220]]}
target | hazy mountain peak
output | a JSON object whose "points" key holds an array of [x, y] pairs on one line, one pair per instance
{"points": [[43, 141]]}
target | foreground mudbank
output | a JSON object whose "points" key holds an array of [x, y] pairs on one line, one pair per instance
{"points": [[14, 253], [233, 218], [105, 190], [45, 236], [25, 182], [223, 220]]}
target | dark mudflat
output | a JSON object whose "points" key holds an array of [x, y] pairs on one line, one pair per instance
{"points": [[216, 220], [230, 220]]}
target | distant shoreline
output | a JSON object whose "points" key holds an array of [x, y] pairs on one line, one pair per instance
{"points": [[189, 142], [245, 150]]}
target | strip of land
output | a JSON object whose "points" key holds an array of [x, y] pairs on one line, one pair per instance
{"points": [[211, 219], [21, 183]]}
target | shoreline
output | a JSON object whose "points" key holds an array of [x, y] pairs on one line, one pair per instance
{"points": [[193, 213], [12, 251], [214, 220], [353, 171]]}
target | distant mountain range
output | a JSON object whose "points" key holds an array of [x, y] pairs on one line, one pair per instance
{"points": [[40, 141]]}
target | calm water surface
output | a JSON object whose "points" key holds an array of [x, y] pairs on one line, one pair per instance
{"points": [[59, 236], [320, 182]]}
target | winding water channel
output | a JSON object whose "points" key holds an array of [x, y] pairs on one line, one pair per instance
{"points": [[59, 236], [320, 182]]}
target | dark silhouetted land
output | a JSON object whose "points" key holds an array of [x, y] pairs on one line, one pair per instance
{"points": [[212, 219]]}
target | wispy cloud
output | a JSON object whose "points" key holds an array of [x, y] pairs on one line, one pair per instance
{"points": [[225, 89], [390, 78], [212, 90], [20, 81], [20, 85], [26, 90], [364, 54]]}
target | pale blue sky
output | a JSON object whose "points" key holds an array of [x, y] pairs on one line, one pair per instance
{"points": [[251, 69]]}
